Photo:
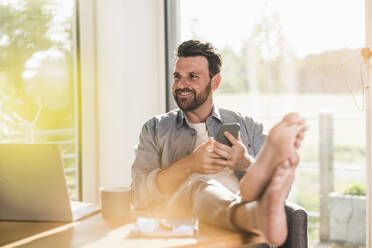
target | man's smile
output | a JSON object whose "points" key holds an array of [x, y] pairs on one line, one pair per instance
{"points": [[185, 92]]}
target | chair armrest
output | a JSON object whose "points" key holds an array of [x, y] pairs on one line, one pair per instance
{"points": [[297, 226]]}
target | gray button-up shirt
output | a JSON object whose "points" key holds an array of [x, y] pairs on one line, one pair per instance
{"points": [[166, 138]]}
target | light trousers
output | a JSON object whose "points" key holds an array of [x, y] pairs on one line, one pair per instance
{"points": [[206, 199]]}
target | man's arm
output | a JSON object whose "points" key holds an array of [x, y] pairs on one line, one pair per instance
{"points": [[200, 161], [145, 167], [150, 184]]}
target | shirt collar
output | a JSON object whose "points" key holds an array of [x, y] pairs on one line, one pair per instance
{"points": [[181, 116], [216, 113]]}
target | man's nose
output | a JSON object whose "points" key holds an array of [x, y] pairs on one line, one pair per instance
{"points": [[183, 83]]}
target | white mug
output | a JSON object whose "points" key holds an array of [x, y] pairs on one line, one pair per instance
{"points": [[116, 202]]}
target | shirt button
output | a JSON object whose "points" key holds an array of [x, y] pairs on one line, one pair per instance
{"points": [[249, 146]]}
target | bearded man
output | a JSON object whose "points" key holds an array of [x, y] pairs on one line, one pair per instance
{"points": [[181, 171]]}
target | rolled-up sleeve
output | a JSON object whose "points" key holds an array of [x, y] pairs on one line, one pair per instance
{"points": [[258, 137], [145, 168]]}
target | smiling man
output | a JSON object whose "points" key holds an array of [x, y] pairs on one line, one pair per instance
{"points": [[181, 171]]}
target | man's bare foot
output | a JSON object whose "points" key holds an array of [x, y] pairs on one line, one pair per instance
{"points": [[266, 217], [271, 206], [283, 139], [281, 144]]}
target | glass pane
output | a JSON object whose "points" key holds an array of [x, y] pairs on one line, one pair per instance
{"points": [[304, 56], [37, 77]]}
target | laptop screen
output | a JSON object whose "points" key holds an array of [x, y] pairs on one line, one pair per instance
{"points": [[32, 183]]}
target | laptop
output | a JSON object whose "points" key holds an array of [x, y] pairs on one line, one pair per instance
{"points": [[33, 185]]}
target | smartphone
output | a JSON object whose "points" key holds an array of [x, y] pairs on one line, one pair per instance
{"points": [[232, 128]]}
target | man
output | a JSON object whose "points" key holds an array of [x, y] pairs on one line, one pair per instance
{"points": [[180, 170]]}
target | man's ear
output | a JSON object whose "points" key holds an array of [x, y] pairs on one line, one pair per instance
{"points": [[216, 80]]}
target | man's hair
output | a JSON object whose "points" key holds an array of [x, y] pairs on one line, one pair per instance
{"points": [[193, 48]]}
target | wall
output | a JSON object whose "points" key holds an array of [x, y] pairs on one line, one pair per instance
{"points": [[130, 61], [130, 76]]}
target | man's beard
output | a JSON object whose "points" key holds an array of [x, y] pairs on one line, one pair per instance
{"points": [[191, 103]]}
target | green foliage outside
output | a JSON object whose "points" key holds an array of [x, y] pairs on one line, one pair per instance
{"points": [[303, 194], [29, 29], [37, 73], [234, 72], [260, 64], [356, 189], [25, 31]]}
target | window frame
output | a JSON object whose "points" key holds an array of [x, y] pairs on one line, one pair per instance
{"points": [[368, 26], [87, 73], [172, 39]]}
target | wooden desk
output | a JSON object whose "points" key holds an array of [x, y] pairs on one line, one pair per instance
{"points": [[97, 232]]}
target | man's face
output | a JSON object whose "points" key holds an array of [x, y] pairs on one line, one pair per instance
{"points": [[192, 85]]}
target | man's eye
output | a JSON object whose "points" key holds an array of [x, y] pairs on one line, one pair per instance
{"points": [[193, 76], [176, 77]]}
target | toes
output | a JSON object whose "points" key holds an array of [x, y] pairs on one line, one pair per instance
{"points": [[286, 164], [295, 119], [301, 129], [300, 136], [297, 144], [291, 118], [294, 160], [301, 121]]}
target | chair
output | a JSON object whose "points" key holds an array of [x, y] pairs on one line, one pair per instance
{"points": [[297, 226]]}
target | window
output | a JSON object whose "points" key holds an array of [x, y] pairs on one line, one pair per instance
{"points": [[303, 56], [38, 78]]}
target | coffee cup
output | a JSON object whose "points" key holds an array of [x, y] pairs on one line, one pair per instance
{"points": [[116, 202]]}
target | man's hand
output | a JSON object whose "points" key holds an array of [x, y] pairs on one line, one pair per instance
{"points": [[236, 156], [203, 160]]}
